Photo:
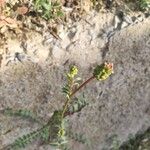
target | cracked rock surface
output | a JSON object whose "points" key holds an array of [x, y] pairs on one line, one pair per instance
{"points": [[32, 74]]}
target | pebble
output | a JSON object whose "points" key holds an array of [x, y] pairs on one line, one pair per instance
{"points": [[124, 24], [117, 21]]}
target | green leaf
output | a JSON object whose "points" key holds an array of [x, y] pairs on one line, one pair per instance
{"points": [[23, 113], [60, 13], [77, 105], [47, 7]]}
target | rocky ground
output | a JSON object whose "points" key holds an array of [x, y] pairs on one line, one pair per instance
{"points": [[34, 57]]}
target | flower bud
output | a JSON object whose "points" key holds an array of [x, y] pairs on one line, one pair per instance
{"points": [[73, 71]]}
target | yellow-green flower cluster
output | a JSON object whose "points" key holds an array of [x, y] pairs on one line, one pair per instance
{"points": [[73, 71], [102, 72]]}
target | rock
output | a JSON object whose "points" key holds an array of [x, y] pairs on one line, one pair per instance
{"points": [[127, 19], [129, 88], [117, 21], [117, 107], [57, 53], [124, 24], [35, 48], [86, 5]]}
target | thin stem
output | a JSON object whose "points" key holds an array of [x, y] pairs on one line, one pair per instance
{"points": [[65, 106], [82, 85], [68, 98]]}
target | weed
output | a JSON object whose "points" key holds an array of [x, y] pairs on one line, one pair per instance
{"points": [[140, 141], [48, 9], [144, 4], [55, 131], [25, 114]]}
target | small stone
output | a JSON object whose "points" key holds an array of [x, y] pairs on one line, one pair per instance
{"points": [[133, 18], [140, 18], [86, 5], [145, 140], [124, 24], [72, 33], [57, 52], [128, 19], [117, 21]]}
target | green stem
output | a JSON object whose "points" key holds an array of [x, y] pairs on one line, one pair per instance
{"points": [[73, 93], [68, 98], [65, 106]]}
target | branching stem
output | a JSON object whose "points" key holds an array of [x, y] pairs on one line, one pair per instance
{"points": [[73, 93]]}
